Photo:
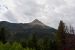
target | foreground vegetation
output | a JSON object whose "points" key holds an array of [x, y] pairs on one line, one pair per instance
{"points": [[30, 45], [14, 46]]}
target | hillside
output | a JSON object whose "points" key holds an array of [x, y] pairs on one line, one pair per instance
{"points": [[21, 31]]}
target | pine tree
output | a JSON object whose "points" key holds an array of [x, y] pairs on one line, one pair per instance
{"points": [[32, 42], [60, 35], [53, 45], [24, 44], [48, 44], [2, 35]]}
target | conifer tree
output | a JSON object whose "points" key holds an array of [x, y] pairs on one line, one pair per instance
{"points": [[32, 42], [60, 35], [24, 44], [46, 43], [2, 35]]}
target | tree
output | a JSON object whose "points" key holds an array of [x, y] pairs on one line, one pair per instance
{"points": [[24, 44], [32, 42], [53, 45], [2, 35], [60, 35], [46, 43]]}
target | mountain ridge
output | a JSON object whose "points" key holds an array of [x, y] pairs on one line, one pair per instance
{"points": [[20, 31]]}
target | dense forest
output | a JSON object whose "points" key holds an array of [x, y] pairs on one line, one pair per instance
{"points": [[60, 42]]}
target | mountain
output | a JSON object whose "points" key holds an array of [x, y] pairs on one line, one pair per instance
{"points": [[37, 22], [21, 31]]}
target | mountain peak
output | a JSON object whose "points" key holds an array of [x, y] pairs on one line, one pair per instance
{"points": [[36, 21]]}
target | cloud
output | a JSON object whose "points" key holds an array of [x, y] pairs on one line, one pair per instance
{"points": [[9, 15], [48, 11]]}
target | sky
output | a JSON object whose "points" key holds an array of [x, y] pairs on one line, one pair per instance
{"points": [[50, 12]]}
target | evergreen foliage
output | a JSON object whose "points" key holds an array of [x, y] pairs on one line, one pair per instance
{"points": [[2, 35], [60, 35]]}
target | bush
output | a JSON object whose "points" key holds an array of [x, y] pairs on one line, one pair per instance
{"points": [[14, 46]]}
